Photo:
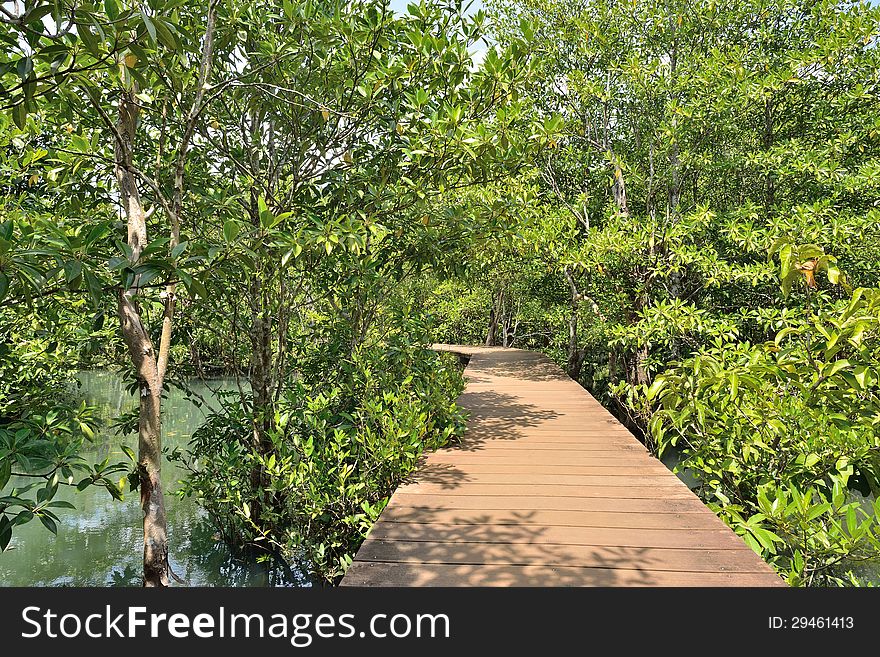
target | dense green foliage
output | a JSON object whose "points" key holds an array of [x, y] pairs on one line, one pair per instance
{"points": [[277, 170], [341, 447], [44, 339], [678, 202], [779, 432]]}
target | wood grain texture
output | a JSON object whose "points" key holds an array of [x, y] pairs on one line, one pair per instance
{"points": [[546, 488]]}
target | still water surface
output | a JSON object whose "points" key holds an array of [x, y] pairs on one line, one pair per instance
{"points": [[100, 543]]}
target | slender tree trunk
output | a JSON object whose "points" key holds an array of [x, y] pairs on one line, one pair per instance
{"points": [[494, 316], [143, 356], [575, 353], [639, 370], [769, 184], [493, 328], [140, 347], [619, 189], [506, 321], [262, 390]]}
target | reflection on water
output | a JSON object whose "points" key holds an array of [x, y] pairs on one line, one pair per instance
{"points": [[100, 543]]}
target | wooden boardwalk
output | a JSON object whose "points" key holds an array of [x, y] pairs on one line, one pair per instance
{"points": [[547, 489]]}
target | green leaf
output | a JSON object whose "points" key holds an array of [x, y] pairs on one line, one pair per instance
{"points": [[163, 32], [789, 280], [785, 261], [38, 12], [90, 41], [655, 388], [810, 251], [46, 494], [266, 217], [97, 232], [4, 288], [60, 504], [818, 510], [19, 115], [833, 274], [766, 538], [151, 28], [112, 9], [49, 524], [72, 271], [798, 561], [24, 68], [835, 367], [5, 471], [861, 376], [231, 230], [5, 537], [94, 286], [195, 287]]}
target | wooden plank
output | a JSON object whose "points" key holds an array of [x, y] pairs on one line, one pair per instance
{"points": [[720, 537], [553, 517], [541, 458], [480, 468], [514, 446], [671, 490], [547, 488], [454, 476], [501, 501], [583, 556], [364, 573]]}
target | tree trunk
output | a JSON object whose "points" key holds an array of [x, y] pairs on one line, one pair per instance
{"points": [[575, 354], [637, 372], [140, 348], [619, 189], [639, 375], [263, 391], [143, 356], [506, 321], [494, 312], [769, 184], [150, 366]]}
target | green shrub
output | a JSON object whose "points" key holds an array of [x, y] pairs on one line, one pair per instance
{"points": [[340, 448], [783, 437]]}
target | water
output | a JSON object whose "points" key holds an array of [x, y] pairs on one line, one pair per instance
{"points": [[101, 542]]}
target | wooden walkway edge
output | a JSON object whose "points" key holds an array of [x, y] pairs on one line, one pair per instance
{"points": [[547, 488]]}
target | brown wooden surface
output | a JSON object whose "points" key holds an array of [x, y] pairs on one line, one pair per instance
{"points": [[547, 489]]}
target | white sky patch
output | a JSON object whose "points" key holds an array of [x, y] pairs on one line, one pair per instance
{"points": [[478, 54]]}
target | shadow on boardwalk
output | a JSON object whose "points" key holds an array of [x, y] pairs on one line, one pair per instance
{"points": [[537, 369], [496, 416], [474, 550]]}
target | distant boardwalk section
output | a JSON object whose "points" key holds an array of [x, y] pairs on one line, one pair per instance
{"points": [[547, 489]]}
